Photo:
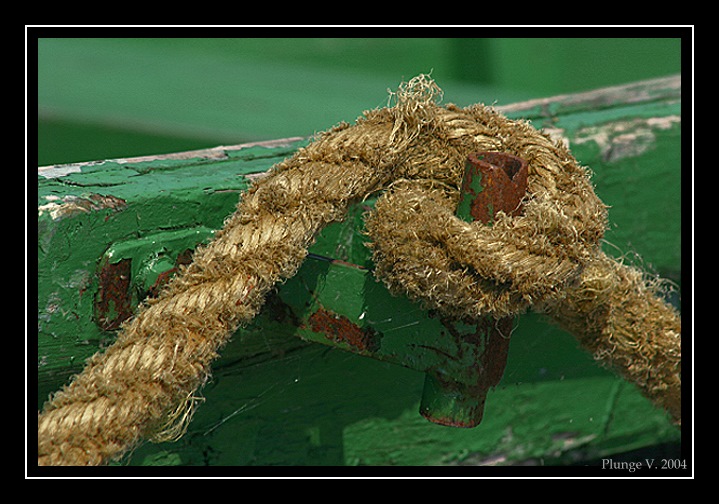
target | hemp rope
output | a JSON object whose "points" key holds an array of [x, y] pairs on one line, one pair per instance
{"points": [[548, 259]]}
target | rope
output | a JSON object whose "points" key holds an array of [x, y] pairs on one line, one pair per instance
{"points": [[548, 259]]}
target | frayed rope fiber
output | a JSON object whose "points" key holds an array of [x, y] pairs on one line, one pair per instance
{"points": [[548, 259]]}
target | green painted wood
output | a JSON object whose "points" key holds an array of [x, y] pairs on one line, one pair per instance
{"points": [[283, 393]]}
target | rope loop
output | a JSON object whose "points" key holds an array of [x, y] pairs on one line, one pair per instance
{"points": [[469, 270]]}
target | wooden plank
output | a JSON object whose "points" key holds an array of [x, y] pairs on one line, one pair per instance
{"points": [[275, 399]]}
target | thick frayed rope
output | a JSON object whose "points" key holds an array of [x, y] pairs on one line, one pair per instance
{"points": [[468, 270], [549, 259]]}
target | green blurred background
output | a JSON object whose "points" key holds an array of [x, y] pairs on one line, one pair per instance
{"points": [[120, 97]]}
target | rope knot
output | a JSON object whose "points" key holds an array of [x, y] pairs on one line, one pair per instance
{"points": [[524, 257]]}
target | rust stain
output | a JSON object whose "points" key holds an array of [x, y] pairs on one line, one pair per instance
{"points": [[503, 181], [340, 329], [113, 304], [494, 358]]}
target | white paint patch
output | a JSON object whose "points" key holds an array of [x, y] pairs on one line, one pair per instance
{"points": [[67, 206], [50, 172], [625, 139]]}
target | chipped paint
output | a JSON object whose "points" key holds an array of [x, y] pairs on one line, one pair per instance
{"points": [[68, 206], [50, 172], [625, 139]]}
